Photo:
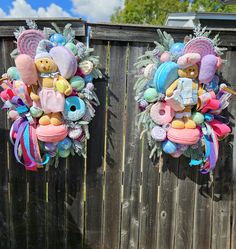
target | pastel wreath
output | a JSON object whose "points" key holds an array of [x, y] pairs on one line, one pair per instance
{"points": [[49, 95], [181, 97]]}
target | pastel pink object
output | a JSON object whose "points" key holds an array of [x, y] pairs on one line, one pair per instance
{"points": [[161, 113], [208, 68], [165, 57], [175, 102], [149, 71], [51, 100], [205, 98], [27, 70], [200, 45], [51, 133], [212, 104], [28, 41], [20, 89], [158, 133], [65, 61], [13, 115], [219, 63], [188, 60], [183, 136], [219, 128]]}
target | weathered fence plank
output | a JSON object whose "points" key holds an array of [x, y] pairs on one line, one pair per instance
{"points": [[95, 161], [185, 205], [202, 213], [56, 206], [114, 153], [4, 156], [132, 161], [167, 203], [75, 202], [149, 197], [148, 34]]}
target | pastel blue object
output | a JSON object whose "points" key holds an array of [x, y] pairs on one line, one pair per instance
{"points": [[177, 49], [88, 78], [58, 39], [77, 82], [64, 153], [74, 108], [169, 147], [13, 73], [65, 144], [165, 75], [208, 117]]}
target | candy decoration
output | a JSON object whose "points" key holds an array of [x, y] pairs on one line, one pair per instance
{"points": [[181, 98], [28, 41], [58, 39], [49, 98]]}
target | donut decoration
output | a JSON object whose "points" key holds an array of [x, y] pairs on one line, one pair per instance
{"points": [[181, 95], [49, 95]]}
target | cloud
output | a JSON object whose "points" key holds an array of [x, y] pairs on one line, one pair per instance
{"points": [[99, 10], [20, 8], [2, 13]]}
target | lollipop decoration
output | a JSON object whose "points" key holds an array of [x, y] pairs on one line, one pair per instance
{"points": [[181, 97], [49, 95]]}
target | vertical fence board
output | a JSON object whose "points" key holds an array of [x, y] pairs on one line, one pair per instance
{"points": [[185, 205], [75, 202], [233, 204], [132, 163], [17, 178], [167, 203], [202, 213], [95, 162], [221, 205], [56, 206], [18, 199], [114, 157], [148, 206], [4, 157], [36, 206]]}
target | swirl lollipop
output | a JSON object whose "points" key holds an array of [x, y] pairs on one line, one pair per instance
{"points": [[28, 41]]}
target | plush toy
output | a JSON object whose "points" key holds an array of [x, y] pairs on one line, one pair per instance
{"points": [[181, 98], [52, 89], [54, 75], [187, 86]]}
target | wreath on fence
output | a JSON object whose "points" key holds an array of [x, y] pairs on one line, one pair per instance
{"points": [[181, 97], [49, 95]]}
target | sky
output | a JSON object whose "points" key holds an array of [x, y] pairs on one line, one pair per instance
{"points": [[90, 10]]}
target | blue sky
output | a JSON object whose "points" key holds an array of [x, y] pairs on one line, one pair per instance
{"points": [[92, 10]]}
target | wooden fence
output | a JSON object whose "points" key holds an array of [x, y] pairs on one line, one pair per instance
{"points": [[117, 198]]}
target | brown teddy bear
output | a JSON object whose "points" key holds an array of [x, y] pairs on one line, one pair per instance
{"points": [[52, 88], [187, 87]]}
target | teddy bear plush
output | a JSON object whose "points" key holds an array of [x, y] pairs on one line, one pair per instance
{"points": [[52, 89], [187, 87]]}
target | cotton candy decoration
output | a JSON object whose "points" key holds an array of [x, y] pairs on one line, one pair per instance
{"points": [[27, 70]]}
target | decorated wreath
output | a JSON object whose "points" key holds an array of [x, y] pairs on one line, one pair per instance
{"points": [[181, 96], [49, 95]]}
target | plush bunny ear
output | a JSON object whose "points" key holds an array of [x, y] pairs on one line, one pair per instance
{"points": [[188, 60], [208, 68], [26, 68]]}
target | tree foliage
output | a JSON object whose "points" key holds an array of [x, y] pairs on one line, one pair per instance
{"points": [[156, 11]]}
